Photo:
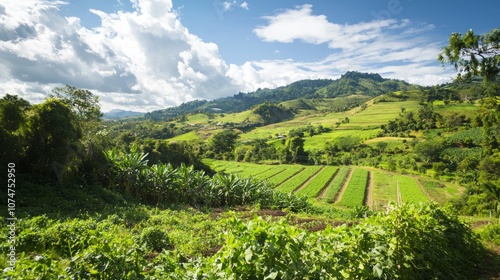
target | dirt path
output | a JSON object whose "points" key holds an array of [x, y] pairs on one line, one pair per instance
{"points": [[327, 185], [309, 179], [339, 195], [368, 193]]}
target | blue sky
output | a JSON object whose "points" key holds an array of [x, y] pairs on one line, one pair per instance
{"points": [[145, 55]]}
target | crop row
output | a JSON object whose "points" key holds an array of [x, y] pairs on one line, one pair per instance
{"points": [[410, 191], [282, 176], [271, 171], [354, 195], [336, 184], [318, 182], [299, 179]]}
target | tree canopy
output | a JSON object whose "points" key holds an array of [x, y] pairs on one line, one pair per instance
{"points": [[474, 55]]}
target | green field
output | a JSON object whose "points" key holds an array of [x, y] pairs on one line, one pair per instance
{"points": [[410, 190], [330, 179], [336, 184], [354, 194], [319, 182], [298, 179]]}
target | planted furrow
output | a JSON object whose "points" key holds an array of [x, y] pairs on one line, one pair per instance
{"points": [[285, 175], [334, 187], [269, 172], [410, 190], [297, 180], [318, 183], [354, 194]]}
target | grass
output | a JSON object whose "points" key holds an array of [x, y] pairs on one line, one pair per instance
{"points": [[318, 141], [384, 189]]}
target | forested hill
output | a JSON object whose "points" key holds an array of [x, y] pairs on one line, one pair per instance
{"points": [[348, 84]]}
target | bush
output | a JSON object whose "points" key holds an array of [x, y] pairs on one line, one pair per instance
{"points": [[153, 238], [491, 233]]}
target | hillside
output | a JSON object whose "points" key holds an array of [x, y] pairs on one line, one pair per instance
{"points": [[348, 84], [362, 167]]}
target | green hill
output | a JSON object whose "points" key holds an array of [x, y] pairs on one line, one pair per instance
{"points": [[348, 84]]}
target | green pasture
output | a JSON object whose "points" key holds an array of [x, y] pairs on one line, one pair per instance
{"points": [[318, 141], [456, 108]]}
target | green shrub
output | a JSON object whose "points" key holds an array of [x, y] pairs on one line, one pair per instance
{"points": [[154, 238], [491, 233]]}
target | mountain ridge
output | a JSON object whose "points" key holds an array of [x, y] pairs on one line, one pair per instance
{"points": [[350, 83]]}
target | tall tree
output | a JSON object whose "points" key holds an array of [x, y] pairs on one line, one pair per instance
{"points": [[222, 142], [12, 118], [50, 132], [83, 103], [479, 55], [474, 55]]}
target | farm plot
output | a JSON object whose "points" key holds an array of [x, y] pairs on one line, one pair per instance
{"points": [[300, 178], [314, 187], [410, 191], [354, 194], [231, 167], [282, 176], [264, 173], [384, 189], [336, 184]]}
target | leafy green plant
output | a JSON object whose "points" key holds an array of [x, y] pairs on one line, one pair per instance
{"points": [[154, 238]]}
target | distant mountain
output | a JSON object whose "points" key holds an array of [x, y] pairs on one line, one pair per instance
{"points": [[117, 114], [350, 83]]}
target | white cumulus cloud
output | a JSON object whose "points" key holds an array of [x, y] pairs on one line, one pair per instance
{"points": [[142, 60], [146, 59]]}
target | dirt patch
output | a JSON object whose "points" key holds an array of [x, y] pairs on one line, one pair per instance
{"points": [[212, 251], [270, 212], [313, 225], [478, 224]]}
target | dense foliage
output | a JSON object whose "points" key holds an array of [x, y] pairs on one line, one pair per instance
{"points": [[411, 242], [162, 183]]}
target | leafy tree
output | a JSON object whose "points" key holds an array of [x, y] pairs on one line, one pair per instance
{"points": [[474, 55], [430, 150], [12, 117], [51, 131], [12, 112], [83, 103], [222, 142], [294, 150]]}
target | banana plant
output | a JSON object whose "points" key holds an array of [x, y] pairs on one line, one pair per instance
{"points": [[127, 168]]}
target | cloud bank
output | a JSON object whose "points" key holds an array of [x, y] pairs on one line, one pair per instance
{"points": [[146, 59]]}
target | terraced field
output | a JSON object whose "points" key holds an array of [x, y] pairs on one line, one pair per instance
{"points": [[323, 184], [281, 177], [336, 184], [299, 179], [354, 195], [318, 182]]}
